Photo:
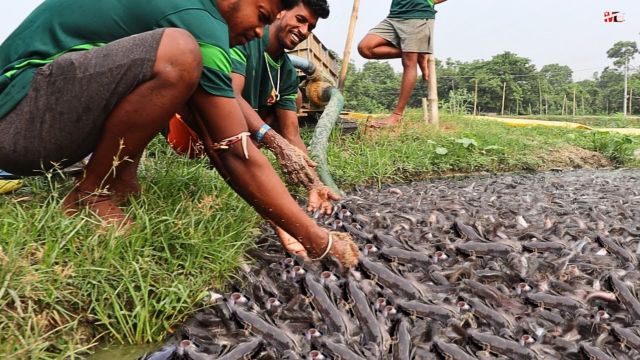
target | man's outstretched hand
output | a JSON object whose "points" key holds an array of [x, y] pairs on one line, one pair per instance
{"points": [[290, 244], [299, 169], [320, 198], [342, 248]]}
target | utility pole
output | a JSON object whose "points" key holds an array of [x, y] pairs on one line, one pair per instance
{"points": [[432, 98], [475, 100], [504, 94], [626, 74], [540, 92], [574, 101], [347, 47], [453, 92], [546, 105]]}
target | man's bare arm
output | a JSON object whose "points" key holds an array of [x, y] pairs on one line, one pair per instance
{"points": [[254, 178], [296, 165], [320, 197], [288, 122]]}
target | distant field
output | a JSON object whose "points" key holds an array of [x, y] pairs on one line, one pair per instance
{"points": [[614, 121]]}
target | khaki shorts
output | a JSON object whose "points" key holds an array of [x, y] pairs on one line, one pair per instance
{"points": [[409, 35]]}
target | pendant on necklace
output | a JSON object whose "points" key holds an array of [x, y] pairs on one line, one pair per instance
{"points": [[273, 97]]}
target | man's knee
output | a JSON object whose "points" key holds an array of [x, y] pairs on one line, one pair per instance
{"points": [[179, 58], [365, 49], [409, 60]]}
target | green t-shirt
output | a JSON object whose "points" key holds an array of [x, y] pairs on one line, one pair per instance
{"points": [[412, 9], [264, 76], [59, 26]]}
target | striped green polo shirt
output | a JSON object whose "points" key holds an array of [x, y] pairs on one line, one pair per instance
{"points": [[60, 26], [264, 76], [412, 9]]}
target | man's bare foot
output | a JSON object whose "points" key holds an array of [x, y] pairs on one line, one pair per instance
{"points": [[124, 190], [391, 120], [103, 206]]}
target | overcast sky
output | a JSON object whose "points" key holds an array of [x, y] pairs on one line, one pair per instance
{"points": [[567, 32]]}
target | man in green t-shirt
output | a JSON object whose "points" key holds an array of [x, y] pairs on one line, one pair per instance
{"points": [[264, 80], [104, 77], [264, 76], [407, 33], [266, 83]]}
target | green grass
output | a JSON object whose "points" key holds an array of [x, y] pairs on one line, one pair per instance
{"points": [[465, 145], [64, 287]]}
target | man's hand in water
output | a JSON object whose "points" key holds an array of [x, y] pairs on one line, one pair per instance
{"points": [[290, 244], [320, 198], [298, 168]]}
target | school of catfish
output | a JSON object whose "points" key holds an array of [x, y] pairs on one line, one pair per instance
{"points": [[531, 266]]}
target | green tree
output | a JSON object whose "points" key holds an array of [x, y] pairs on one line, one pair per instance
{"points": [[556, 83], [611, 83], [622, 52], [373, 89]]}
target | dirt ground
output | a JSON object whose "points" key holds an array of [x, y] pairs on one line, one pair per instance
{"points": [[573, 157]]}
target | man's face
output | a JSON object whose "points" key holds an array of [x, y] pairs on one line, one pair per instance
{"points": [[246, 18], [294, 26]]}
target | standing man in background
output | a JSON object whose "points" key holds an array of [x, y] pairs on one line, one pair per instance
{"points": [[407, 33]]}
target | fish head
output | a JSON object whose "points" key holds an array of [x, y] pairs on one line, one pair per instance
{"points": [[272, 303], [312, 333], [316, 355], [237, 298]]}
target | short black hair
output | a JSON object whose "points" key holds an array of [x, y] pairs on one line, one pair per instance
{"points": [[320, 8]]}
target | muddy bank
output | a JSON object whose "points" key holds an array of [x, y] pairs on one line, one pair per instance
{"points": [[541, 266]]}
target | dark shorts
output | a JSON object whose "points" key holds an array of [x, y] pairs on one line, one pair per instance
{"points": [[60, 120]]}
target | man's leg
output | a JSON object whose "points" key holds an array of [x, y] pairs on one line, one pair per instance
{"points": [[425, 46], [409, 76], [136, 119], [382, 42], [126, 184], [423, 63], [375, 47]]}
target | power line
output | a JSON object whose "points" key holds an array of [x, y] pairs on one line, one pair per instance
{"points": [[511, 75]]}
